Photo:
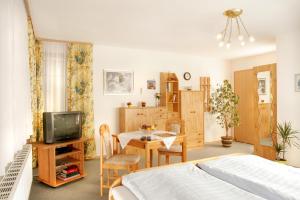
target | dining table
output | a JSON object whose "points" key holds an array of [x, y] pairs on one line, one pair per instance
{"points": [[150, 141]]}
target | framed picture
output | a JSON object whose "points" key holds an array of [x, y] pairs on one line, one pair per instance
{"points": [[118, 82], [262, 86], [151, 84], [297, 82]]}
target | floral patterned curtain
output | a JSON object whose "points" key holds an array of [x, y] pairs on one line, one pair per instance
{"points": [[37, 99], [80, 90]]}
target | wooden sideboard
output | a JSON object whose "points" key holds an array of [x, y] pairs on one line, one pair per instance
{"points": [[192, 112], [131, 119]]}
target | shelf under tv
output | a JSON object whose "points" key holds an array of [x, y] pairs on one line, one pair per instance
{"points": [[47, 161], [63, 155], [60, 182]]}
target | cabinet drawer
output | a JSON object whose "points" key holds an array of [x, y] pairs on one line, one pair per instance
{"points": [[160, 116], [195, 138], [173, 115], [162, 110]]}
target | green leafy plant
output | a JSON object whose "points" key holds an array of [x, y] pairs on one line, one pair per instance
{"points": [[224, 103], [278, 149], [288, 136]]}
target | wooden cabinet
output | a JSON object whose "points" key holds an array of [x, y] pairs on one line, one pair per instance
{"points": [[131, 119], [49, 161], [192, 112]]}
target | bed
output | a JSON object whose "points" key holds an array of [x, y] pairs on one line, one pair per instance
{"points": [[226, 177], [257, 175]]}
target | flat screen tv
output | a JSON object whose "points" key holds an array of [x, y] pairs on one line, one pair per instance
{"points": [[61, 126]]}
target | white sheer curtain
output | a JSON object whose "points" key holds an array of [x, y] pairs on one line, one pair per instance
{"points": [[55, 58]]}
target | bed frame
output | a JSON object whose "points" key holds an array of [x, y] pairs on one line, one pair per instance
{"points": [[118, 182]]}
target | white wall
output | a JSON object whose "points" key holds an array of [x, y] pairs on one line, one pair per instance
{"points": [[15, 112], [147, 65], [288, 48], [252, 61]]}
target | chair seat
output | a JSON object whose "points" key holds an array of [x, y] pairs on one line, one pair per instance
{"points": [[123, 159], [174, 148]]}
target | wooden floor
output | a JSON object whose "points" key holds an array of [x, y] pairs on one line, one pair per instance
{"points": [[88, 188]]}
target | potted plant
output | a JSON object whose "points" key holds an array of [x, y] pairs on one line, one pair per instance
{"points": [[278, 149], [288, 137], [224, 103]]}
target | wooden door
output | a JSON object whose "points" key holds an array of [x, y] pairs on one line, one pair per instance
{"points": [[243, 86], [133, 119]]}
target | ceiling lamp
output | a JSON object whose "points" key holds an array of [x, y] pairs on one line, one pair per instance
{"points": [[234, 16]]}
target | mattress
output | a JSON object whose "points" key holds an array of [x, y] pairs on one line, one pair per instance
{"points": [[257, 175], [122, 193], [182, 182]]}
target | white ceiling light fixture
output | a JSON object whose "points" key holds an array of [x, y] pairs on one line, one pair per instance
{"points": [[234, 16]]}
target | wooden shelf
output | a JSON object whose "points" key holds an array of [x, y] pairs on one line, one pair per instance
{"points": [[169, 90], [60, 182], [47, 161], [63, 155], [71, 161], [171, 81]]}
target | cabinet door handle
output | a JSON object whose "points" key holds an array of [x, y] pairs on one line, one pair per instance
{"points": [[193, 112]]}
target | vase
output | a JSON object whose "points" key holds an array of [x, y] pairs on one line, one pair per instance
{"points": [[157, 102]]}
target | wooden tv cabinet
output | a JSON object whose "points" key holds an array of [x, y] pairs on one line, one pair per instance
{"points": [[48, 161]]}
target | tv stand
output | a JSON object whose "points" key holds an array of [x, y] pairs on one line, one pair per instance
{"points": [[49, 162]]}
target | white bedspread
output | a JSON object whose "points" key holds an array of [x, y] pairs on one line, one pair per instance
{"points": [[180, 183], [257, 175], [122, 193]]}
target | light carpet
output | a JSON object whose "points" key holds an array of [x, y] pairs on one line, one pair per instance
{"points": [[88, 188]]}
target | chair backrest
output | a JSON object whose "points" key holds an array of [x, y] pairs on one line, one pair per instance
{"points": [[176, 125], [106, 149]]}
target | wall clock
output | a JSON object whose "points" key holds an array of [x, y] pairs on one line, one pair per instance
{"points": [[187, 76]]}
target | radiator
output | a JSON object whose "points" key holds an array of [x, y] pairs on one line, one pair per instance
{"points": [[16, 183]]}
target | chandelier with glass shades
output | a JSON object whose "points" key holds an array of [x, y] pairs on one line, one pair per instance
{"points": [[234, 17]]}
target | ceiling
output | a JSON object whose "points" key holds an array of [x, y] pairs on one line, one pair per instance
{"points": [[181, 26]]}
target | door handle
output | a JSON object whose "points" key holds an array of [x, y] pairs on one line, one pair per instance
{"points": [[193, 112]]}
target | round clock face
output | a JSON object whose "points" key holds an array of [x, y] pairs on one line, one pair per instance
{"points": [[187, 76]]}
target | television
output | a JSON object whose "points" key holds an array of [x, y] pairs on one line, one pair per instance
{"points": [[61, 126]]}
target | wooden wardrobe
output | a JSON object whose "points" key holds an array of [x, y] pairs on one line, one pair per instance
{"points": [[258, 117], [192, 112]]}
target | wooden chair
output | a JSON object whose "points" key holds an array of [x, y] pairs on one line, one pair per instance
{"points": [[175, 125], [111, 160]]}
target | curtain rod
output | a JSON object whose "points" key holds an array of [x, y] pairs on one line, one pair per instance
{"points": [[61, 41]]}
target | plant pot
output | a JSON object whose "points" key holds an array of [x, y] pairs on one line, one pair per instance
{"points": [[226, 141], [281, 161]]}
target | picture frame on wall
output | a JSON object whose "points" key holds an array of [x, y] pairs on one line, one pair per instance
{"points": [[297, 82], [262, 90], [118, 82], [151, 84]]}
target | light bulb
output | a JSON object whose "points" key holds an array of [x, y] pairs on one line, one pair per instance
{"points": [[243, 43], [228, 45], [219, 36], [251, 39], [241, 37], [221, 44]]}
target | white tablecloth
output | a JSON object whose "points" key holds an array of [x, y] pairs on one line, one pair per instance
{"points": [[125, 138]]}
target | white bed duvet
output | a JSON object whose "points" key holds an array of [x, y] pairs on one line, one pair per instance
{"points": [[257, 175], [180, 183]]}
